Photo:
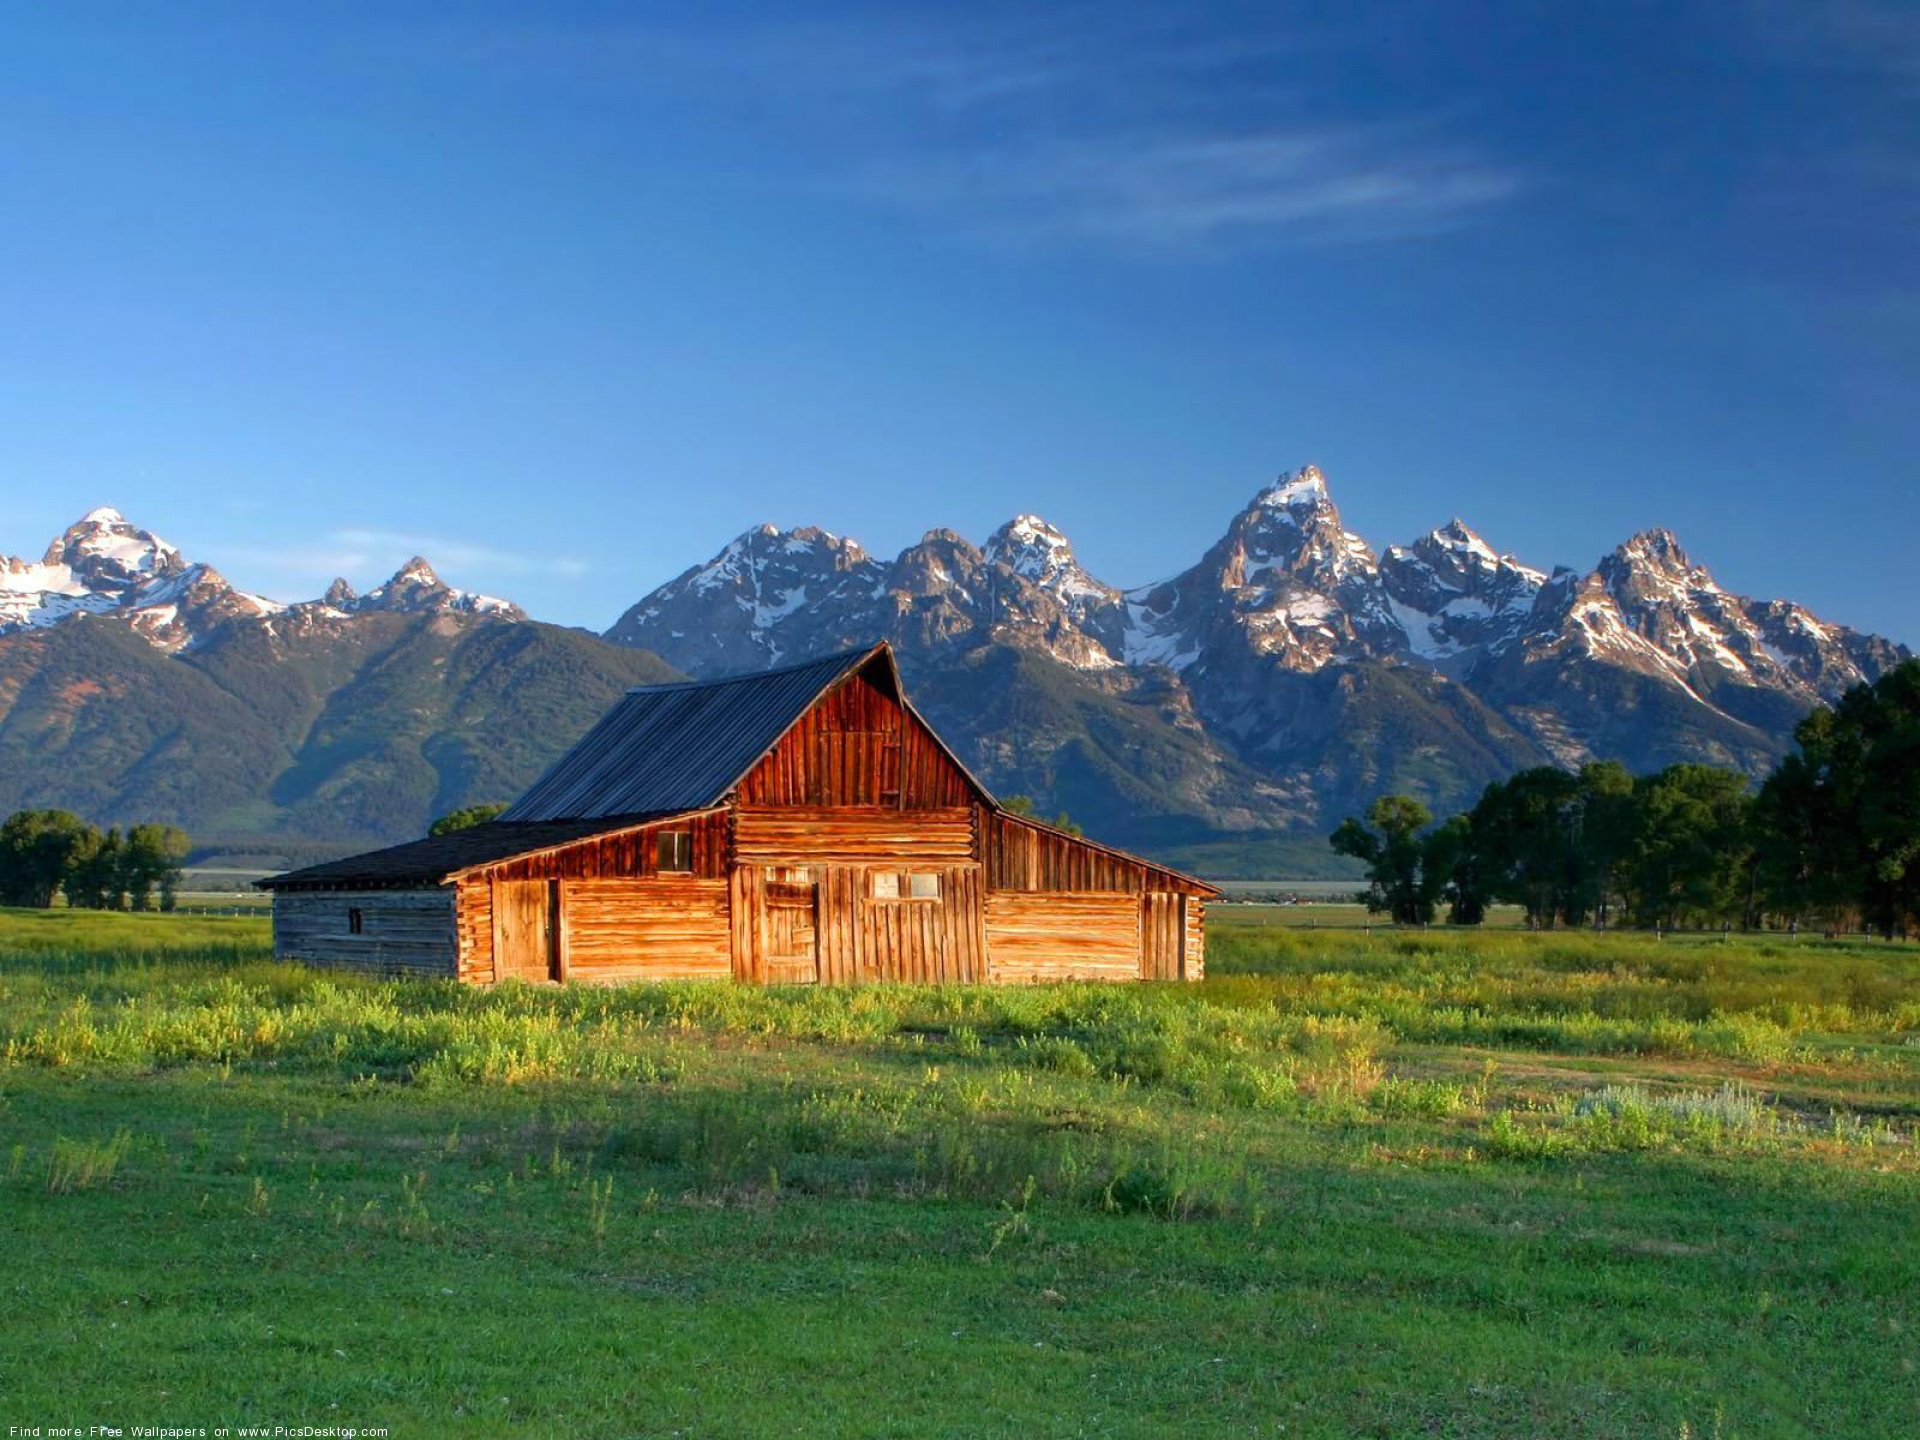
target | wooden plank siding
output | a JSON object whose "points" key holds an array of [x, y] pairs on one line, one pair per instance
{"points": [[1061, 936], [864, 835], [402, 932], [1162, 936], [626, 854], [670, 928], [1037, 859], [920, 942], [857, 746], [523, 938]]}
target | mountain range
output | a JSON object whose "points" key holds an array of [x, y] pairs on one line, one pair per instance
{"points": [[1278, 683]]}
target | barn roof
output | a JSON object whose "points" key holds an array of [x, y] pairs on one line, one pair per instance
{"points": [[684, 746], [430, 861]]}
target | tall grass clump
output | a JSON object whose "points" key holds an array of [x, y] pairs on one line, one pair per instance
{"points": [[85, 1164]]}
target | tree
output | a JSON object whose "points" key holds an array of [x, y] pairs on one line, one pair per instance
{"points": [[38, 850], [1388, 841], [1524, 836], [152, 858], [1605, 821], [1839, 822], [1450, 871], [464, 819], [1688, 859], [98, 878]]}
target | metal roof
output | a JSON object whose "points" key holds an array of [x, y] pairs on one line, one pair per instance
{"points": [[430, 861], [680, 747]]}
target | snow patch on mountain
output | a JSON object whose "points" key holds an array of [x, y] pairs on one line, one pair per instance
{"points": [[106, 566]]}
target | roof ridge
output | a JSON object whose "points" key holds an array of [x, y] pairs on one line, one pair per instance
{"points": [[840, 658]]}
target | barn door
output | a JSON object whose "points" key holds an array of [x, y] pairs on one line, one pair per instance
{"points": [[523, 930], [1163, 931], [793, 927]]}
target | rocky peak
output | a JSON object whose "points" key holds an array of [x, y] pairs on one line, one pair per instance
{"points": [[1455, 595], [104, 553], [942, 557], [415, 589], [1029, 546], [340, 595], [1653, 568], [1293, 527], [768, 595], [105, 565], [1041, 553], [1302, 490]]}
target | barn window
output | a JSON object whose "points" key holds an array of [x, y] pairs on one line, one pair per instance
{"points": [[355, 920], [674, 852], [914, 885]]}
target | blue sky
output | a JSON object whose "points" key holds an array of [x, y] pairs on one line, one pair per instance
{"points": [[566, 295]]}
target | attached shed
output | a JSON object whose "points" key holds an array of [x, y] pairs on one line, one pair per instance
{"points": [[795, 826]]}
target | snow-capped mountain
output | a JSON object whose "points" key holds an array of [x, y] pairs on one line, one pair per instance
{"points": [[1288, 583], [1456, 597], [105, 565], [1285, 678], [138, 685], [416, 590], [1290, 636], [772, 596]]}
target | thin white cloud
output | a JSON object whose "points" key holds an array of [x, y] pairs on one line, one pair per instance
{"points": [[1144, 130], [1206, 191]]}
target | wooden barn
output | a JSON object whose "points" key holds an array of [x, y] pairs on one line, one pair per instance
{"points": [[795, 826]]}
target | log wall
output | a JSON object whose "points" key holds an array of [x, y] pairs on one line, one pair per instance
{"points": [[858, 746], [858, 938], [1062, 936], [1037, 859], [1196, 956], [473, 930], [1162, 936], [863, 835], [402, 932], [627, 854], [670, 928]]}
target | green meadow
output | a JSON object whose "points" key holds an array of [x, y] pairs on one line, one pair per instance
{"points": [[1388, 1184]]}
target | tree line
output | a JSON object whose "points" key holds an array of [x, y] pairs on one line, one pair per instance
{"points": [[1831, 839], [44, 853]]}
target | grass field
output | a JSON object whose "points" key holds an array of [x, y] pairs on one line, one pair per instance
{"points": [[1404, 1184]]}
